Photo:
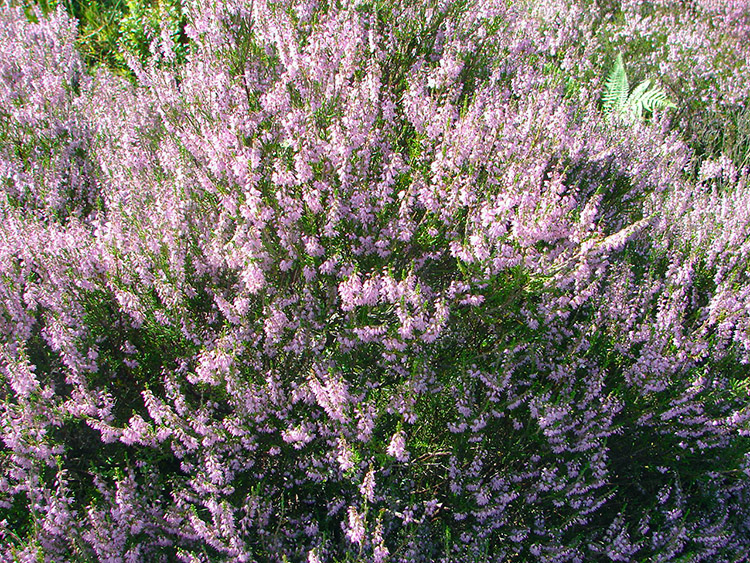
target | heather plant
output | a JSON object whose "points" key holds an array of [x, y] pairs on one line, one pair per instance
{"points": [[373, 281], [112, 31]]}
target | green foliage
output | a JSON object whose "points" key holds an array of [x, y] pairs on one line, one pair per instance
{"points": [[616, 93], [145, 20], [645, 97], [111, 31], [98, 30]]}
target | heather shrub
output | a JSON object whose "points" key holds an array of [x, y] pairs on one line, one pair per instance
{"points": [[112, 31], [373, 281]]}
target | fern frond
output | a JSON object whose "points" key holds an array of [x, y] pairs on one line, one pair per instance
{"points": [[645, 97], [633, 106], [638, 92], [655, 99], [616, 88]]}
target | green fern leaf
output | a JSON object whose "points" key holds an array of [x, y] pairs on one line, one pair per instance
{"points": [[644, 98], [647, 98], [638, 92], [616, 88], [634, 106], [655, 99]]}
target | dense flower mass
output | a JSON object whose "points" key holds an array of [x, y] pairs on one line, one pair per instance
{"points": [[378, 281]]}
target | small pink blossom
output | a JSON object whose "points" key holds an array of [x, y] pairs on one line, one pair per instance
{"points": [[397, 446], [367, 488], [355, 530]]}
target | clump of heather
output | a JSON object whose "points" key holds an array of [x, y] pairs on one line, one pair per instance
{"points": [[44, 139], [373, 281]]}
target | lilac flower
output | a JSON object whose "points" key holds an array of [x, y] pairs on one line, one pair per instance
{"points": [[367, 488], [355, 530], [397, 446]]}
